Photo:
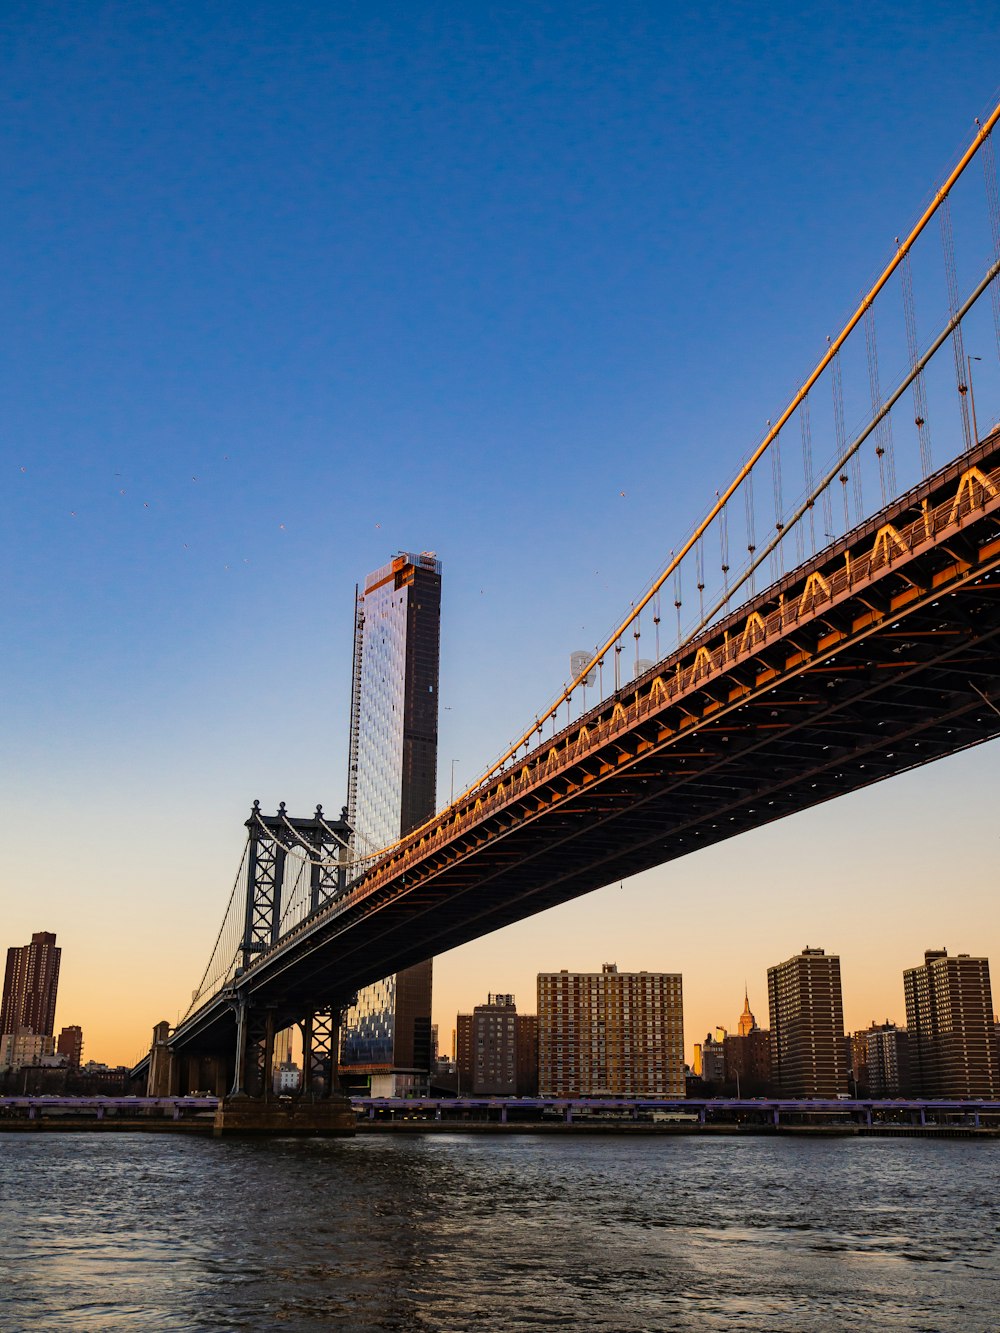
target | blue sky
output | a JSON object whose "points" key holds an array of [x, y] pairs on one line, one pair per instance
{"points": [[289, 288]]}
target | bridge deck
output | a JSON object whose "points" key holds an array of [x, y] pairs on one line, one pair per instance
{"points": [[878, 655]]}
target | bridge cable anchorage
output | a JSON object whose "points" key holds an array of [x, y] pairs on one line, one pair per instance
{"points": [[822, 487], [951, 274], [919, 391], [993, 207]]}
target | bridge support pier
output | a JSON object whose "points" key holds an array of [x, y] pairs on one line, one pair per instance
{"points": [[252, 1108], [164, 1067]]}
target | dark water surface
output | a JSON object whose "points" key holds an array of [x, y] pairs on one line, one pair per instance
{"points": [[111, 1232]]}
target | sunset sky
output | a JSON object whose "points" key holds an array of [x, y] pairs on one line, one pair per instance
{"points": [[288, 288]]}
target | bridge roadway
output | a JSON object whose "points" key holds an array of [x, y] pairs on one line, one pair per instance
{"points": [[876, 656]]}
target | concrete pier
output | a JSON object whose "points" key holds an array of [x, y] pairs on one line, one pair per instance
{"points": [[277, 1116]]}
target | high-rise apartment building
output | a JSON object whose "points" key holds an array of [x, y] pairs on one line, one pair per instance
{"points": [[610, 1033], [392, 782], [888, 1060], [70, 1044], [807, 1025], [463, 1052], [29, 987], [949, 1021], [498, 1050]]}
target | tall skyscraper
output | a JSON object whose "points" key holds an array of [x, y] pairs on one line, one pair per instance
{"points": [[29, 987], [392, 783], [807, 1025], [949, 1022], [610, 1033]]}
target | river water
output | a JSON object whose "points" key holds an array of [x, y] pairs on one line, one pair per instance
{"points": [[451, 1232]]}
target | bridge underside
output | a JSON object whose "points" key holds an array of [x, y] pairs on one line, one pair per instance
{"points": [[848, 671]]}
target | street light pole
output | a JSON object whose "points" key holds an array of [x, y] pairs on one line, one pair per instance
{"points": [[453, 763]]}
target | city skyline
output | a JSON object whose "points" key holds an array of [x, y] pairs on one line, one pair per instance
{"points": [[531, 324]]}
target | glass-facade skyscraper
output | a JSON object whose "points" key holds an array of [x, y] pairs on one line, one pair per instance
{"points": [[392, 786]]}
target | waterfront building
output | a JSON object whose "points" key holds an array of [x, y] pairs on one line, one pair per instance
{"points": [[807, 1025], [888, 1060], [392, 784], [498, 1049], [30, 983], [951, 1028], [24, 1048], [70, 1044], [610, 1033]]}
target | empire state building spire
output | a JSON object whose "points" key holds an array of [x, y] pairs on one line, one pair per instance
{"points": [[747, 1021]]}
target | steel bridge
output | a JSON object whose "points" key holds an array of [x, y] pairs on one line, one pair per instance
{"points": [[867, 654]]}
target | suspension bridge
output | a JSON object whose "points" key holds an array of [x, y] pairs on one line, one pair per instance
{"points": [[822, 643]]}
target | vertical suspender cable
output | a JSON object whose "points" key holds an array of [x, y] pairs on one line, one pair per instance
{"points": [[919, 392], [779, 504], [805, 426], [993, 206], [751, 531], [699, 560], [948, 246], [883, 431], [841, 434]]}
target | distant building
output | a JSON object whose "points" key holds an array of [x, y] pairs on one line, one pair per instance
{"points": [[747, 1056], [952, 1033], [19, 1049], [527, 1055], [807, 1025], [888, 1060], [463, 1052], [70, 1044], [713, 1058], [287, 1078], [385, 1044], [610, 1033], [856, 1063], [29, 988], [498, 1049]]}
